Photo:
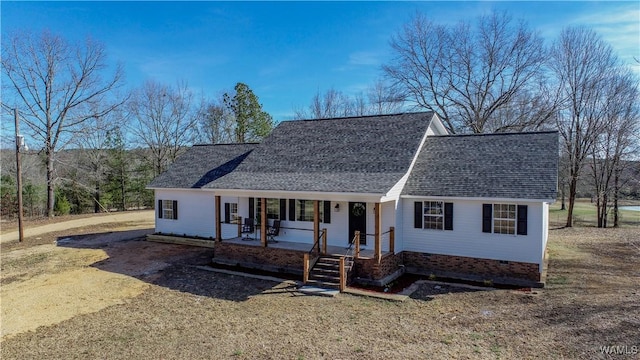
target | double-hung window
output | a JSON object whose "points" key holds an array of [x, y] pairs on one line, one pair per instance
{"points": [[304, 210], [504, 219], [436, 215], [508, 219], [168, 209], [231, 213], [273, 208], [433, 215]]}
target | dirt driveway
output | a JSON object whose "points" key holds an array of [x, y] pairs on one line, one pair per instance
{"points": [[79, 274], [143, 219]]}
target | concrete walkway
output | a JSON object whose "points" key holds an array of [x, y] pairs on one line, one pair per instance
{"points": [[145, 218]]}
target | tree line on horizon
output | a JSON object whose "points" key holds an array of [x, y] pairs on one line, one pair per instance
{"points": [[488, 74]]}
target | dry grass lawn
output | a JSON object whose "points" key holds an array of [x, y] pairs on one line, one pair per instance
{"points": [[592, 300]]}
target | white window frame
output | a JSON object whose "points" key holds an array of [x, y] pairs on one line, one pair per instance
{"points": [[308, 210], [167, 211], [270, 206], [430, 215], [506, 225], [233, 212]]}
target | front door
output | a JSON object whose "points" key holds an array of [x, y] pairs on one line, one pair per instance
{"points": [[358, 221]]}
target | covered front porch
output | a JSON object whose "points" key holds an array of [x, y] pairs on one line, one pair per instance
{"points": [[305, 247], [328, 225]]}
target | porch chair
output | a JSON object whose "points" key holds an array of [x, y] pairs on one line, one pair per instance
{"points": [[273, 230], [248, 228]]}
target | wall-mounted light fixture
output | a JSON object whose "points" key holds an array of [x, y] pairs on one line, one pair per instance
{"points": [[336, 208]]}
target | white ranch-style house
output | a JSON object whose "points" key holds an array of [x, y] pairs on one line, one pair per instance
{"points": [[366, 199]]}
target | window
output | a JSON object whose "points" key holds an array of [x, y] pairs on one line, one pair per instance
{"points": [[433, 215], [304, 210], [504, 219], [437, 215], [273, 208], [231, 213], [168, 209]]}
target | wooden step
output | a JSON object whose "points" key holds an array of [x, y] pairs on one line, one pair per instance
{"points": [[322, 277], [324, 284]]}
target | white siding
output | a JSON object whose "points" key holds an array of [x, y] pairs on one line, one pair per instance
{"points": [[196, 213], [467, 238], [545, 231]]}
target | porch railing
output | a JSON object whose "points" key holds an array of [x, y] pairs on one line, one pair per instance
{"points": [[347, 262], [308, 261], [387, 238]]}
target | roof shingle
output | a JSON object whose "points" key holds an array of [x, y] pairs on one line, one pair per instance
{"points": [[202, 164], [361, 154], [509, 165]]}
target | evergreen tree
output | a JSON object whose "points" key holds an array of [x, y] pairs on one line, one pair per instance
{"points": [[251, 122]]}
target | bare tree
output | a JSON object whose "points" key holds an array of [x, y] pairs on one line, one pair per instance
{"points": [[616, 142], [216, 123], [163, 119], [57, 86], [379, 99], [94, 143], [582, 64], [384, 99], [333, 103], [471, 75]]}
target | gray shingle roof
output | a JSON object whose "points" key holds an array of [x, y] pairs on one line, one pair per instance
{"points": [[520, 166], [202, 164], [361, 154]]}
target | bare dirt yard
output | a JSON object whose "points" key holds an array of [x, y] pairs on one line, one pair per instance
{"points": [[104, 292]]}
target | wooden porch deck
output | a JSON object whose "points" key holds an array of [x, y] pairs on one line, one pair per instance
{"points": [[296, 246]]}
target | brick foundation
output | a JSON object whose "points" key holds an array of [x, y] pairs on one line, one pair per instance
{"points": [[510, 272], [272, 259], [369, 269]]}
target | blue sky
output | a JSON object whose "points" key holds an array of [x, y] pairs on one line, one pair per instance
{"points": [[285, 51]]}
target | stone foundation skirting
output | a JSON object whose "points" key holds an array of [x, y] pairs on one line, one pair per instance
{"points": [[258, 257]]}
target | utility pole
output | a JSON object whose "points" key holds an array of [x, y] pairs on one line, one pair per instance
{"points": [[19, 143]]}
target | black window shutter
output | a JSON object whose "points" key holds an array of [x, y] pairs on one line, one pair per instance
{"points": [[252, 210], [417, 214], [283, 209], [522, 219], [292, 209], [175, 209], [487, 210], [159, 209], [227, 213], [448, 216], [327, 212]]}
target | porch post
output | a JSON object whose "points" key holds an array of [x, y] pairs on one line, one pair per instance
{"points": [[263, 221], [377, 231], [218, 222], [356, 239], [324, 241], [316, 222], [239, 226], [392, 239], [305, 265]]}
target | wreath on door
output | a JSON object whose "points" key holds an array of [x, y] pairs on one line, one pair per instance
{"points": [[358, 209]]}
